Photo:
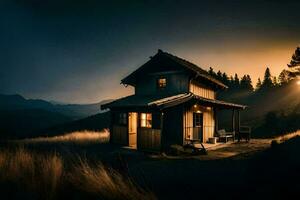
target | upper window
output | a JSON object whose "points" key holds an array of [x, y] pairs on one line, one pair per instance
{"points": [[161, 83], [146, 120]]}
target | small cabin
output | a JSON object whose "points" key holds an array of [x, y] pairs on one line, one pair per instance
{"points": [[174, 102]]}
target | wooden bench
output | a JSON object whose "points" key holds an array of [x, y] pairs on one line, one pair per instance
{"points": [[225, 136]]}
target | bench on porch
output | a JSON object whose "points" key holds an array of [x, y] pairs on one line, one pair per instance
{"points": [[195, 150], [225, 136]]}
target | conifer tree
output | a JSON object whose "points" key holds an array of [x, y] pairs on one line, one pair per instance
{"points": [[267, 82], [236, 82], [211, 72], [219, 75], [275, 82], [284, 77], [295, 63], [258, 84]]}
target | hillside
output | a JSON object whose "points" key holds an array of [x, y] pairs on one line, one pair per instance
{"points": [[74, 111], [25, 122], [283, 101], [22, 117], [95, 123]]}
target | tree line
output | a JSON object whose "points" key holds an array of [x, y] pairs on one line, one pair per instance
{"points": [[244, 83]]}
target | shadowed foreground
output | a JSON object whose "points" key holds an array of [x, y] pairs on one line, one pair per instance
{"points": [[71, 167], [28, 175]]}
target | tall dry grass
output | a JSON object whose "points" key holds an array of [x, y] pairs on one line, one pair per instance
{"points": [[46, 177], [106, 183], [38, 174], [287, 136], [84, 136]]}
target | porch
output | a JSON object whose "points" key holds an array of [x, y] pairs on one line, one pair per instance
{"points": [[155, 125]]}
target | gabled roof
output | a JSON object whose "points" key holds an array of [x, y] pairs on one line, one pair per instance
{"points": [[168, 101], [180, 62]]}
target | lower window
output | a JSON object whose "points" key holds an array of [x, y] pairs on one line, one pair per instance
{"points": [[146, 120]]}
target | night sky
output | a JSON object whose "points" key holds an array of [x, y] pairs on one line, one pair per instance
{"points": [[78, 51]]}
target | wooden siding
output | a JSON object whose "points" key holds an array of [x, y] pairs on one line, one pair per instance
{"points": [[176, 83], [120, 135], [149, 139], [172, 126], [202, 91], [208, 122]]}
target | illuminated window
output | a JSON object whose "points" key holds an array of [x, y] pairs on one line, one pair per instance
{"points": [[122, 118], [146, 120], [161, 83]]}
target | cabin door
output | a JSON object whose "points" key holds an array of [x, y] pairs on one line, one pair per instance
{"points": [[132, 129], [198, 126]]}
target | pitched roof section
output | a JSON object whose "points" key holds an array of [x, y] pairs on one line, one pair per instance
{"points": [[181, 62], [166, 102]]}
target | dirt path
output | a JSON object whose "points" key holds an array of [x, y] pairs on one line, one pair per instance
{"points": [[238, 150]]}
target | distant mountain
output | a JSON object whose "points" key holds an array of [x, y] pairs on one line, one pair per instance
{"points": [[95, 122], [20, 117], [74, 111], [78, 111], [21, 123]]}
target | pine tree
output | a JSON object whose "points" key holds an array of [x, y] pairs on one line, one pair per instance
{"points": [[284, 77], [219, 75], [236, 81], [295, 63], [258, 84], [211, 72], [267, 82], [246, 83], [249, 82], [225, 79], [275, 82]]}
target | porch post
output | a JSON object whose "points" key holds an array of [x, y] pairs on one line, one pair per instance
{"points": [[162, 148], [239, 121], [233, 120], [216, 121]]}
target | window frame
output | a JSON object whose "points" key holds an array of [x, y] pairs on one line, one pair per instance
{"points": [[161, 85], [197, 119], [122, 119], [147, 121]]}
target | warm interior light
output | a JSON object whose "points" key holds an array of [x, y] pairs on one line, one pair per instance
{"points": [[195, 106], [298, 82]]}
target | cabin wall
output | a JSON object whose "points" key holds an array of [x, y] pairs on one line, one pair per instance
{"points": [[177, 82], [208, 122], [118, 132], [147, 139], [202, 90], [172, 126]]}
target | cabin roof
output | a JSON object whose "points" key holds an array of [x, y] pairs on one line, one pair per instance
{"points": [[199, 72], [168, 101]]}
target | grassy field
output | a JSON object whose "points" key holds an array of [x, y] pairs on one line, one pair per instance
{"points": [[82, 165], [48, 176]]}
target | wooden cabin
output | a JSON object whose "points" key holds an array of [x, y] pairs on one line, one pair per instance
{"points": [[174, 102]]}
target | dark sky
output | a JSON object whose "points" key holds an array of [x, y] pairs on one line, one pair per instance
{"points": [[77, 51]]}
